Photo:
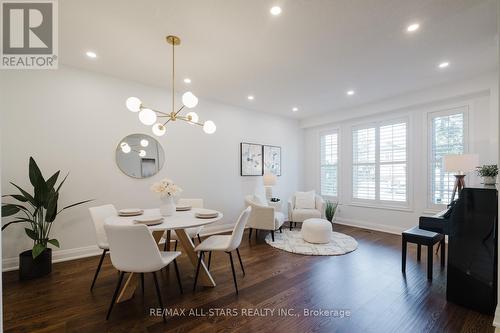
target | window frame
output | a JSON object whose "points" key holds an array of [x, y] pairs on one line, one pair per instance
{"points": [[377, 202], [335, 130], [464, 109]]}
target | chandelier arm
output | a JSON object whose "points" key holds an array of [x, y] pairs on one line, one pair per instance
{"points": [[182, 107], [189, 121]]}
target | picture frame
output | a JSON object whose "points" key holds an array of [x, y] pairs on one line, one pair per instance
{"points": [[251, 161], [272, 159]]}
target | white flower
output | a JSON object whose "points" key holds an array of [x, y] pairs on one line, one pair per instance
{"points": [[166, 187]]}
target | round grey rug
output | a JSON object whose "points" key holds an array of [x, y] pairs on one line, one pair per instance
{"points": [[291, 241]]}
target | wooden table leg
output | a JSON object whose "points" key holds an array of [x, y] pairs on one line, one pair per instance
{"points": [[205, 279], [128, 288]]}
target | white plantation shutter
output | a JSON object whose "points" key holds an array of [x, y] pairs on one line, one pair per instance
{"points": [[380, 161], [363, 163], [447, 138], [329, 164], [393, 166]]}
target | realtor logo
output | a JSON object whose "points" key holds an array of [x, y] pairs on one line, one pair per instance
{"points": [[29, 34]]}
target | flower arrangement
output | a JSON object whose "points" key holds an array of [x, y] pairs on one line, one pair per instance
{"points": [[166, 188]]}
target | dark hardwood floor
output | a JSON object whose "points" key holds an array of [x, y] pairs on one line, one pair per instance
{"points": [[367, 282]]}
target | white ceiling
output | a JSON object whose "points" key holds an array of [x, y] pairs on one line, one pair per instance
{"points": [[308, 57]]}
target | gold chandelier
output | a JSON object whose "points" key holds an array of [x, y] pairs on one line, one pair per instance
{"points": [[149, 116]]}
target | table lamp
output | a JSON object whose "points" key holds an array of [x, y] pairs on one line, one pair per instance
{"points": [[459, 165], [269, 182]]}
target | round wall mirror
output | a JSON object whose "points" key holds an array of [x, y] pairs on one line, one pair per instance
{"points": [[139, 156]]}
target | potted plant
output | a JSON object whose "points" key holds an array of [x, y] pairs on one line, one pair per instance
{"points": [[488, 173], [38, 210], [330, 210]]}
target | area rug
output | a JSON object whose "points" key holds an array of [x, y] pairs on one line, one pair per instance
{"points": [[291, 241]]}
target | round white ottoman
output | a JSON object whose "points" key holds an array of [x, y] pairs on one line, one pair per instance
{"points": [[317, 231]]}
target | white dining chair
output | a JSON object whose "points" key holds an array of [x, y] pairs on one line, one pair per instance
{"points": [[191, 232], [98, 215], [226, 243], [134, 250]]}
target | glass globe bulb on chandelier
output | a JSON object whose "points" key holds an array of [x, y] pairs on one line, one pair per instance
{"points": [[149, 116]]}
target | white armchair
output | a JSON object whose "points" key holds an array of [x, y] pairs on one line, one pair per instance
{"points": [[263, 217], [298, 214]]}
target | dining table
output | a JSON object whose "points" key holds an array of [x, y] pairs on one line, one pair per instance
{"points": [[179, 221]]}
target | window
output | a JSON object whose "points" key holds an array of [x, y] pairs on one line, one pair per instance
{"points": [[380, 163], [447, 137], [329, 164]]}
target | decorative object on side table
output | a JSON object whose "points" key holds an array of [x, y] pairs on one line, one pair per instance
{"points": [[39, 211], [272, 160], [459, 165], [251, 159], [330, 210], [167, 190], [488, 173], [269, 181]]}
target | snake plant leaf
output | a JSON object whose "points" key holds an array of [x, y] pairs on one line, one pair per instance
{"points": [[62, 182], [37, 250], [9, 209], [75, 204], [28, 196], [54, 242], [51, 213], [51, 182], [31, 234], [15, 221], [18, 197], [39, 184]]}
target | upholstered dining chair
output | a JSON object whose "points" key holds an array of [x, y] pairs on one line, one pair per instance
{"points": [[226, 243], [134, 250], [263, 217], [191, 232], [98, 215], [303, 206]]}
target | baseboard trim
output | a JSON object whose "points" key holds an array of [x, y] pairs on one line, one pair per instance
{"points": [[368, 225], [11, 264]]}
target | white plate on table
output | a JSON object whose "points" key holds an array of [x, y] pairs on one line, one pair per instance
{"points": [[206, 213], [130, 212], [182, 208], [149, 220]]}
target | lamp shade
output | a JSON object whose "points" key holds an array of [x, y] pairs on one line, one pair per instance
{"points": [[269, 179], [460, 163]]}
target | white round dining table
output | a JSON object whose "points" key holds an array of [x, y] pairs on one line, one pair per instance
{"points": [[179, 221]]}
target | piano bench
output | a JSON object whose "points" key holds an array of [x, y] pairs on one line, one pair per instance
{"points": [[422, 237]]}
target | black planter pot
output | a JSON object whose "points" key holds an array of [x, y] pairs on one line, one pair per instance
{"points": [[30, 268]]}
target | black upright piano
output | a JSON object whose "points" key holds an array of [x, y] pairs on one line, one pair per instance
{"points": [[471, 225]]}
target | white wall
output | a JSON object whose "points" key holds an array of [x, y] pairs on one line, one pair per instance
{"points": [[72, 120], [479, 95]]}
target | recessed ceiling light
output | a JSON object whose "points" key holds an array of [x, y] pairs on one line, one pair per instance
{"points": [[276, 10], [350, 92], [250, 98], [413, 27], [295, 109], [187, 80], [91, 54], [444, 64]]}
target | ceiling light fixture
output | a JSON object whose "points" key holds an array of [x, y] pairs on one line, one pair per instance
{"points": [[413, 27], [350, 92], [250, 97], [149, 116], [295, 109], [444, 64], [187, 80], [276, 10], [91, 54]]}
